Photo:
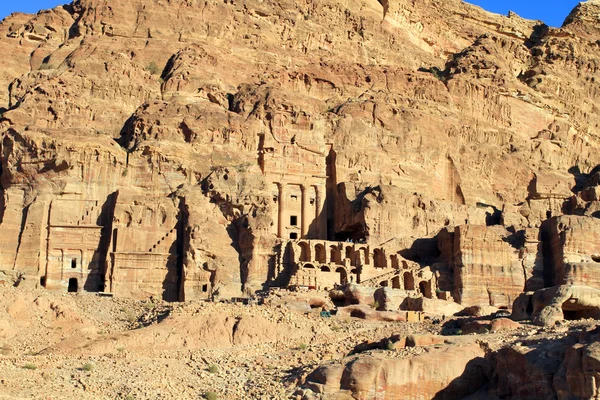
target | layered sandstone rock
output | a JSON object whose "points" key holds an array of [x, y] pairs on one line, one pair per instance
{"points": [[175, 149], [487, 269], [447, 372], [575, 244]]}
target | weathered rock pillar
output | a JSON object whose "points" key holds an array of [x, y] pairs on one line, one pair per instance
{"points": [[306, 217], [320, 217], [281, 220]]}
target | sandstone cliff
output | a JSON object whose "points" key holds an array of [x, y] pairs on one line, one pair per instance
{"points": [[171, 148]]}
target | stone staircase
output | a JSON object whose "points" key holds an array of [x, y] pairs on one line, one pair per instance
{"points": [[374, 282], [162, 239], [89, 211]]}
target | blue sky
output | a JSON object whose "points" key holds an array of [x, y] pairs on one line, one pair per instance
{"points": [[28, 6], [552, 12]]}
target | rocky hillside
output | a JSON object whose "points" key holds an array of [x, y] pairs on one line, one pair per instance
{"points": [[147, 144]]}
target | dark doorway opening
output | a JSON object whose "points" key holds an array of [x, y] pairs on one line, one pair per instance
{"points": [[43, 281], [409, 282], [529, 309], [73, 285]]}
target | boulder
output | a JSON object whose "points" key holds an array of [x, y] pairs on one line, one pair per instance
{"points": [[388, 299], [370, 314], [477, 327], [503, 325], [571, 302], [431, 306], [477, 311], [452, 372], [423, 340], [357, 294]]}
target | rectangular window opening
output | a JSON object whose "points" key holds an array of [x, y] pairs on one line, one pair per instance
{"points": [[74, 263], [293, 235], [293, 220]]}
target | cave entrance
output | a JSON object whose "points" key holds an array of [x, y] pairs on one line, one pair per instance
{"points": [[73, 285], [573, 311]]}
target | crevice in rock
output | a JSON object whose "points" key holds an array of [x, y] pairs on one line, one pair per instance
{"points": [[234, 329], [181, 245], [21, 231], [386, 6], [77, 11], [105, 219], [188, 134], [547, 254], [538, 35], [516, 240], [2, 205], [238, 223], [441, 75]]}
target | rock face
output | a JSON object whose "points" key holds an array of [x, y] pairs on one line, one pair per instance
{"points": [[553, 369], [442, 373], [575, 242], [195, 151], [487, 269]]}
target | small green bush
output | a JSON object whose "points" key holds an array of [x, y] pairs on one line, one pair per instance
{"points": [[30, 366], [152, 68], [213, 368], [149, 305], [389, 345], [87, 367], [210, 396], [302, 346]]}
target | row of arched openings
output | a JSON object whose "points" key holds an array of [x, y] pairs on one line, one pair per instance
{"points": [[324, 268], [335, 255]]}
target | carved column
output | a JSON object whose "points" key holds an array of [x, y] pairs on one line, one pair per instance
{"points": [[320, 217], [282, 201], [306, 217]]}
